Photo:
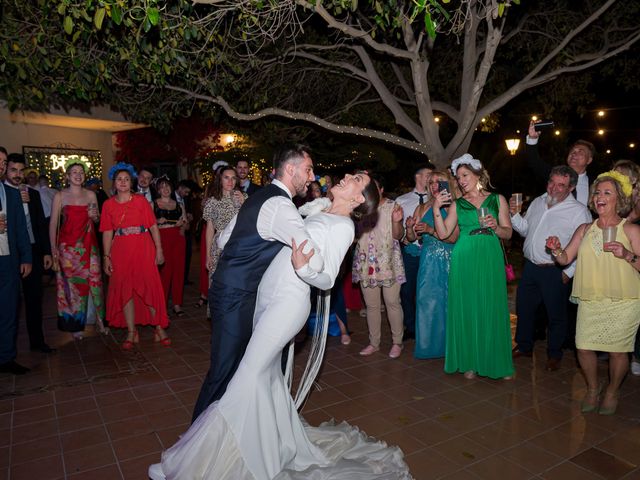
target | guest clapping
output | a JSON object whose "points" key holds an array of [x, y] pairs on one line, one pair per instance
{"points": [[171, 217], [478, 331], [132, 251], [606, 287]]}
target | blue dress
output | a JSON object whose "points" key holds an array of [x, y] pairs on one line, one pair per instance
{"points": [[431, 293]]}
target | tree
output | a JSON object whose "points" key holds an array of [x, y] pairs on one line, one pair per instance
{"points": [[418, 74]]}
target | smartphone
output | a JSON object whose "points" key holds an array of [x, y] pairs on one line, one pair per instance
{"points": [[443, 185], [543, 125]]}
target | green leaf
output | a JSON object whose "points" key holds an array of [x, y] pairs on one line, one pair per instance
{"points": [[146, 26], [500, 9], [98, 18], [62, 8], [354, 5], [429, 24], [153, 15], [68, 25], [116, 14]]}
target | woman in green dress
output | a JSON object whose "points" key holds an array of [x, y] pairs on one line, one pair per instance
{"points": [[478, 334]]}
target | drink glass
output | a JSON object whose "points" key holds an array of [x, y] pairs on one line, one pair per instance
{"points": [[236, 199], [482, 214], [3, 220], [24, 194], [517, 197], [609, 234]]}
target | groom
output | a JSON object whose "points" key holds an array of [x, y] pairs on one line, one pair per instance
{"points": [[267, 221]]}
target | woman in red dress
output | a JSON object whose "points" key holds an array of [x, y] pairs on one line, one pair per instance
{"points": [[132, 251]]}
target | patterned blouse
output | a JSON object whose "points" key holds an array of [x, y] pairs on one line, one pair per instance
{"points": [[219, 212], [377, 261]]}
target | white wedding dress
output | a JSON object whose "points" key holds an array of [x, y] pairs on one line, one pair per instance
{"points": [[254, 431]]}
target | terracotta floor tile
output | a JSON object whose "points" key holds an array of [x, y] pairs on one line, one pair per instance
{"points": [[137, 468], [603, 464], [169, 436], [327, 396], [116, 398], [49, 468], [42, 447], [73, 393], [560, 444], [462, 450], [169, 373], [4, 458], [428, 464], [316, 417], [88, 458], [34, 431], [109, 386], [622, 446], [460, 421], [120, 411], [129, 427], [430, 432], [79, 421], [169, 418], [187, 397], [569, 471], [110, 472], [6, 406], [83, 438], [535, 459], [33, 415], [496, 467], [72, 407], [461, 475], [150, 391], [401, 438], [32, 401], [137, 446], [185, 383], [160, 404], [578, 427]]}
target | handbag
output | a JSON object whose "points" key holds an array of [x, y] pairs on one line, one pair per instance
{"points": [[508, 268]]}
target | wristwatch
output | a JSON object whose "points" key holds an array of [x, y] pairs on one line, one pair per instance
{"points": [[634, 259]]}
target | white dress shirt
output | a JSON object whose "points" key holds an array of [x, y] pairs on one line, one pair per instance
{"points": [[541, 222], [279, 220], [46, 198], [147, 194], [582, 188]]}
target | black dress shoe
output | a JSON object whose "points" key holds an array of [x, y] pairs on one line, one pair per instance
{"points": [[13, 367], [553, 364], [44, 348], [517, 353]]}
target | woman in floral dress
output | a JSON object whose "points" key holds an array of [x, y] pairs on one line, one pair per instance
{"points": [[75, 252]]}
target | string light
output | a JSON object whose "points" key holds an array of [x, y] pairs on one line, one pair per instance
{"points": [[632, 145], [557, 132], [50, 161], [601, 113], [608, 151], [600, 132]]}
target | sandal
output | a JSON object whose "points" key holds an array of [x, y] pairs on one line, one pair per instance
{"points": [[591, 400], [202, 301], [165, 342], [609, 408], [179, 312], [128, 344]]}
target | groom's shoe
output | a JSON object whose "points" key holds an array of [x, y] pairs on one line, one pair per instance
{"points": [[156, 473]]}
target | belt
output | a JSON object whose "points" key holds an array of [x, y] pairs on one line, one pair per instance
{"points": [[137, 230]]}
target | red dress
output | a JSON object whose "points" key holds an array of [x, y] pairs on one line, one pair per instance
{"points": [[135, 273]]}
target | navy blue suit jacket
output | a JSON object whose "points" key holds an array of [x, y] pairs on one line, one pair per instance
{"points": [[19, 244]]}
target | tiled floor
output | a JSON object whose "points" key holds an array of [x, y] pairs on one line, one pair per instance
{"points": [[91, 411]]}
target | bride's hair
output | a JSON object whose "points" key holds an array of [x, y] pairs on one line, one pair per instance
{"points": [[371, 199]]}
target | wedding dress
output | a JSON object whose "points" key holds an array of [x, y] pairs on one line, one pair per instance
{"points": [[254, 431]]}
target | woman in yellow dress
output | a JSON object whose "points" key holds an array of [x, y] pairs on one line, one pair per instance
{"points": [[606, 287]]}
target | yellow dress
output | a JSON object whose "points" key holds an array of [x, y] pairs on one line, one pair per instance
{"points": [[607, 290]]}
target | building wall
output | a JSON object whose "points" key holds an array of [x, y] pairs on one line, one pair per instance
{"points": [[16, 134]]}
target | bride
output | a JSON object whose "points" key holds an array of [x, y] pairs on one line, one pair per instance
{"points": [[254, 431]]}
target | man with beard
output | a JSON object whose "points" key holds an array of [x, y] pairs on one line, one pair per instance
{"points": [[267, 221]]}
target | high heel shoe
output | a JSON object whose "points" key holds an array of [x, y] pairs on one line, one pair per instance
{"points": [[202, 301], [178, 312], [613, 404], [128, 344], [165, 342], [591, 400]]}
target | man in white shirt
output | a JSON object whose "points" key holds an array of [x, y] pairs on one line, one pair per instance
{"points": [[244, 182], [411, 251], [580, 156], [558, 213]]}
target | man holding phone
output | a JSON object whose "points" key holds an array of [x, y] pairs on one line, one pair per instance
{"points": [[411, 250], [580, 156]]}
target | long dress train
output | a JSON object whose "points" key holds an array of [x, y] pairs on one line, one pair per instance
{"points": [[254, 431]]}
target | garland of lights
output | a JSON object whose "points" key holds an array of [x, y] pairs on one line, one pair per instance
{"points": [[53, 161]]}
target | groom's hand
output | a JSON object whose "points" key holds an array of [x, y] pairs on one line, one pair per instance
{"points": [[298, 258]]}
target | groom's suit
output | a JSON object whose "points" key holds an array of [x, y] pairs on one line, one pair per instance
{"points": [[266, 222]]}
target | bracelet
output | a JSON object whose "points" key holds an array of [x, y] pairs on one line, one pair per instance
{"points": [[106, 255], [558, 252], [634, 258]]}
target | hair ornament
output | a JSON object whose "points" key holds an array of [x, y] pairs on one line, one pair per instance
{"points": [[122, 166], [465, 159], [77, 160], [622, 179], [218, 164], [162, 178]]}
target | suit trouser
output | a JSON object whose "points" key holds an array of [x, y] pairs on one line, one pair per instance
{"points": [[231, 327], [32, 293], [541, 284], [9, 296], [374, 317], [408, 291]]}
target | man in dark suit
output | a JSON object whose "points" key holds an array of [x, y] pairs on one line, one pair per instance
{"points": [[245, 184], [40, 250], [15, 261]]}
